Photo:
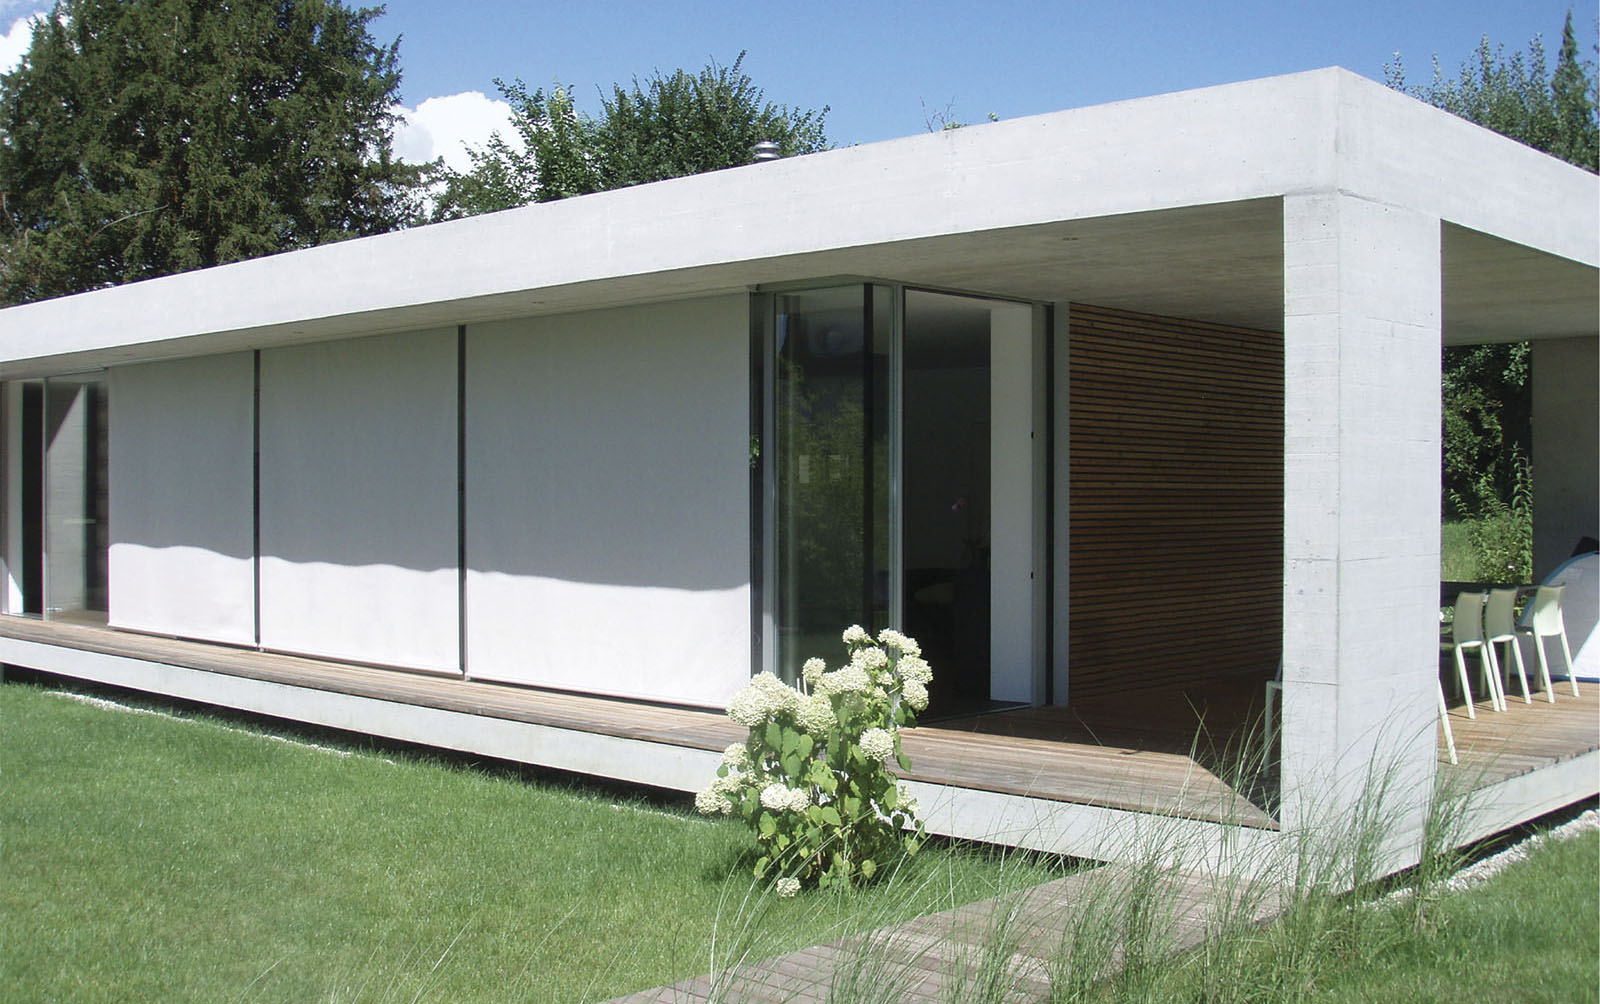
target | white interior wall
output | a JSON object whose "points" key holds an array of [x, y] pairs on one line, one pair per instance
{"points": [[1011, 502], [358, 500], [181, 498], [1566, 447], [608, 501]]}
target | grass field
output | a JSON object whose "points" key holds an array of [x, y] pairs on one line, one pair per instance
{"points": [[179, 856], [152, 858]]}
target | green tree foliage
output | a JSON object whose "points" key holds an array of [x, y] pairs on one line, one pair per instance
{"points": [[1518, 97], [144, 137], [1487, 397], [667, 127]]}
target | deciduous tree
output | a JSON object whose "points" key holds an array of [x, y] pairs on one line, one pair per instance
{"points": [[669, 126], [1487, 397]]}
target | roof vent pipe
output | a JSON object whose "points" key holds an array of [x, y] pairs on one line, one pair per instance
{"points": [[764, 150]]}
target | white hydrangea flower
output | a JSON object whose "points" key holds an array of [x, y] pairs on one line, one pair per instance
{"points": [[812, 669], [870, 657], [712, 802], [905, 802], [748, 708], [816, 714], [877, 744], [764, 699], [780, 797], [775, 796], [844, 681], [736, 756], [787, 887], [729, 783], [914, 667], [915, 695], [903, 644], [855, 634]]}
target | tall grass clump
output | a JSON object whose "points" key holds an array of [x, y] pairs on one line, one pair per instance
{"points": [[1271, 926]]}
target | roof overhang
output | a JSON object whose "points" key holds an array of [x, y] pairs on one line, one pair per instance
{"points": [[1171, 205]]}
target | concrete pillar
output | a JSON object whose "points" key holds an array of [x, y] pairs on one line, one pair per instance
{"points": [[1361, 508], [1566, 447]]}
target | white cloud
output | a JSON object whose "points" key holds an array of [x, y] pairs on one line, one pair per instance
{"points": [[14, 43], [445, 126]]}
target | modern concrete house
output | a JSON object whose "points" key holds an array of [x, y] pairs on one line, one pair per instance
{"points": [[1116, 409]]}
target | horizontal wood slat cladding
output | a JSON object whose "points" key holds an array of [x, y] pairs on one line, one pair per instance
{"points": [[1176, 502]]}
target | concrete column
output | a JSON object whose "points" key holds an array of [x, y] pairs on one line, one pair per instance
{"points": [[1566, 448], [1361, 507]]}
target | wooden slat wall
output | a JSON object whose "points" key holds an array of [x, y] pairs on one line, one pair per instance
{"points": [[1176, 502]]}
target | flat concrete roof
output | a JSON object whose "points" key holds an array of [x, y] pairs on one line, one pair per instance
{"points": [[1170, 204]]}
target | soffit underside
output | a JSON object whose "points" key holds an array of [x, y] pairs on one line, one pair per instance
{"points": [[1218, 263]]}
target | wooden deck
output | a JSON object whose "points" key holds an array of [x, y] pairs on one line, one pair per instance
{"points": [[1500, 745], [1096, 756], [934, 958]]}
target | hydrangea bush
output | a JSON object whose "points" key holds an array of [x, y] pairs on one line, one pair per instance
{"points": [[813, 780]]}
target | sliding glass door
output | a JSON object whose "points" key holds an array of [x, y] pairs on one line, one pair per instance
{"points": [[56, 523], [902, 483], [831, 465]]}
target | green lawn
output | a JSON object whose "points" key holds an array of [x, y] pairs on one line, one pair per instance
{"points": [[153, 858], [1529, 934], [147, 858]]}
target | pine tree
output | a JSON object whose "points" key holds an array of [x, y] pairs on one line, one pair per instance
{"points": [[140, 138]]}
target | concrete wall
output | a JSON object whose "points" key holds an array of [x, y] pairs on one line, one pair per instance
{"points": [[358, 500], [182, 520], [1566, 447], [1361, 504], [608, 501]]}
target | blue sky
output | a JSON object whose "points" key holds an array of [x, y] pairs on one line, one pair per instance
{"points": [[879, 65]]}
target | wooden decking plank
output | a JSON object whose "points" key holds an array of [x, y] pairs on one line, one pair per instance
{"points": [[932, 957], [1023, 765]]}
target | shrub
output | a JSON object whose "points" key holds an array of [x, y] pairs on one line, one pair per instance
{"points": [[812, 780], [1501, 535]]}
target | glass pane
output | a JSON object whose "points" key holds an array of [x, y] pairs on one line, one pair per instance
{"points": [[825, 373], [945, 468], [76, 528]]}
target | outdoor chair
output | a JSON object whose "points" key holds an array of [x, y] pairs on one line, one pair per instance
{"points": [[1444, 719], [1273, 695], [1543, 620], [1466, 632], [1500, 628]]}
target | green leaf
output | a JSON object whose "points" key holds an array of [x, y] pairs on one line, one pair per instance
{"points": [[868, 867], [792, 765], [766, 824], [774, 736], [829, 814], [903, 760], [806, 745]]}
